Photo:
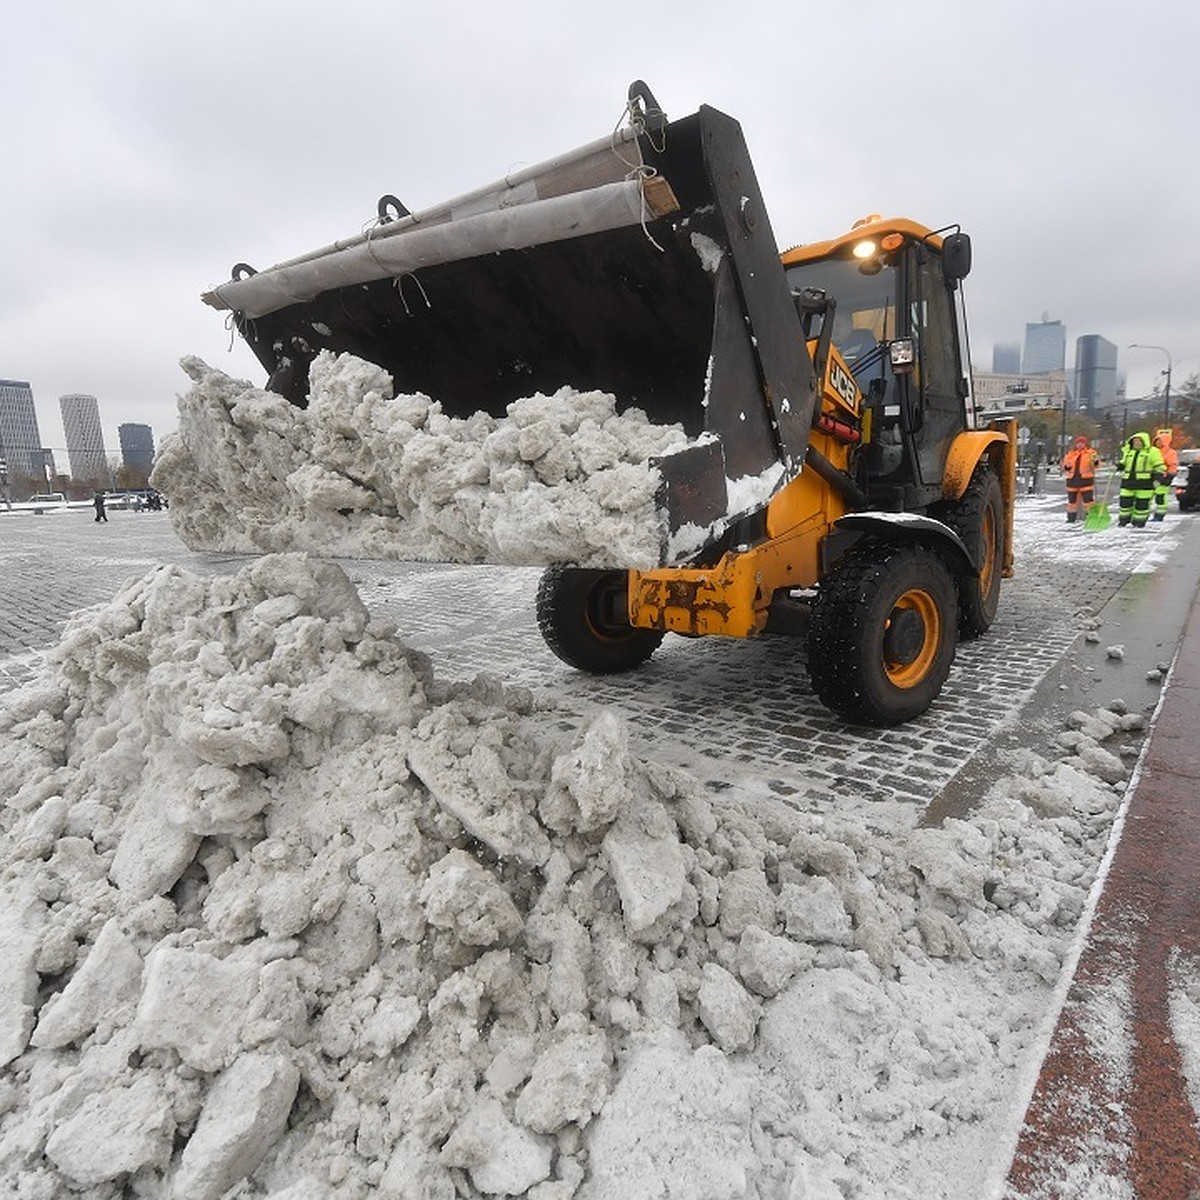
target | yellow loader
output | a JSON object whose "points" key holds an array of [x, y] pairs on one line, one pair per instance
{"points": [[836, 484]]}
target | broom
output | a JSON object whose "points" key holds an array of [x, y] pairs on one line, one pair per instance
{"points": [[1098, 516]]}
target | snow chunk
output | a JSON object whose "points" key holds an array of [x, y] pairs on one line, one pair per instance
{"points": [[727, 1010], [105, 985], [18, 981], [746, 900], [677, 1123], [589, 785], [462, 896], [243, 1115], [813, 911], [360, 473], [194, 1003], [461, 754], [153, 851], [646, 862], [569, 1083], [115, 1132], [501, 1158], [766, 962]]}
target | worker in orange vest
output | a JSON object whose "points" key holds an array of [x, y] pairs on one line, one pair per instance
{"points": [[1162, 489], [1079, 470]]}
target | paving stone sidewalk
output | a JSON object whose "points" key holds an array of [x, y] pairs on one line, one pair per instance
{"points": [[728, 710]]}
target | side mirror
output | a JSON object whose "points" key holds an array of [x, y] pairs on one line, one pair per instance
{"points": [[956, 257]]}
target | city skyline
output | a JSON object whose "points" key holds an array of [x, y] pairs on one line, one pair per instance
{"points": [[1001, 353], [59, 441], [31, 460]]}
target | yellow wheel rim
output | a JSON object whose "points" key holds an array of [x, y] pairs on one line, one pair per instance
{"points": [[987, 568], [908, 670]]}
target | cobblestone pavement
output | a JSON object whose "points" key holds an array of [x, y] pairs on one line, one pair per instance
{"points": [[729, 710]]}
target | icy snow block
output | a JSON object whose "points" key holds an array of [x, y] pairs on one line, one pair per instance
{"points": [[569, 1083], [245, 1112], [767, 962], [107, 981], [501, 1158], [676, 1123], [195, 1004], [727, 1010], [18, 988], [462, 896], [152, 852], [115, 1133], [646, 862], [746, 900], [814, 912]]}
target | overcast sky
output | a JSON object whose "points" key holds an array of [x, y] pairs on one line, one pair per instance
{"points": [[150, 144]]}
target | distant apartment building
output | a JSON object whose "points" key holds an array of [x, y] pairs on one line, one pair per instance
{"points": [[20, 442], [1045, 348], [85, 440], [1006, 358], [1095, 373], [137, 448], [1006, 395]]}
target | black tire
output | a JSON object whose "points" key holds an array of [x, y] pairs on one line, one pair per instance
{"points": [[583, 618], [882, 637], [978, 519]]}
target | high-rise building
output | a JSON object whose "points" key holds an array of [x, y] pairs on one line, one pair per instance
{"points": [[137, 449], [85, 439], [1006, 358], [1095, 373], [20, 441], [1045, 347]]}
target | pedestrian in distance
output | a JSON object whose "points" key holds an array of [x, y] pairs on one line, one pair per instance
{"points": [[98, 503], [1162, 490], [1142, 468], [1079, 470]]}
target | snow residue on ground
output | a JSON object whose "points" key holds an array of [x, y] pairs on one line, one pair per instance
{"points": [[1183, 1001], [280, 907], [365, 474], [1045, 531]]}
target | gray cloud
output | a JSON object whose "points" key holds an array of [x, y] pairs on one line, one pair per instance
{"points": [[150, 146]]}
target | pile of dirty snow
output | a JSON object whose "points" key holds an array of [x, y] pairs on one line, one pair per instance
{"points": [[278, 907], [362, 473]]}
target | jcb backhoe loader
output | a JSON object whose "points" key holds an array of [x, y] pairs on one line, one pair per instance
{"points": [[835, 468]]}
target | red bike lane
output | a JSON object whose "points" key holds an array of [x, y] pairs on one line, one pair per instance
{"points": [[1115, 1109]]}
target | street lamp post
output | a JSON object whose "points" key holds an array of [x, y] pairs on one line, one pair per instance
{"points": [[1167, 373]]}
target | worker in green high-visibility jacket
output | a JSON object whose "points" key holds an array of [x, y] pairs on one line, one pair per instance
{"points": [[1142, 467]]}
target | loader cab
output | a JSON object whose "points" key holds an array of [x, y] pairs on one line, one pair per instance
{"points": [[897, 322]]}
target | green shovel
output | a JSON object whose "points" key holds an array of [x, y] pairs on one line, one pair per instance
{"points": [[1098, 516]]}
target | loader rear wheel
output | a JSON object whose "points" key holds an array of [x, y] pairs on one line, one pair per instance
{"points": [[583, 618], [882, 636], [978, 518]]}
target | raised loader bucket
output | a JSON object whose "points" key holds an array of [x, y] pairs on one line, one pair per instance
{"points": [[642, 265]]}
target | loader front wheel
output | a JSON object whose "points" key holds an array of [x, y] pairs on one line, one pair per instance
{"points": [[882, 636], [583, 618]]}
